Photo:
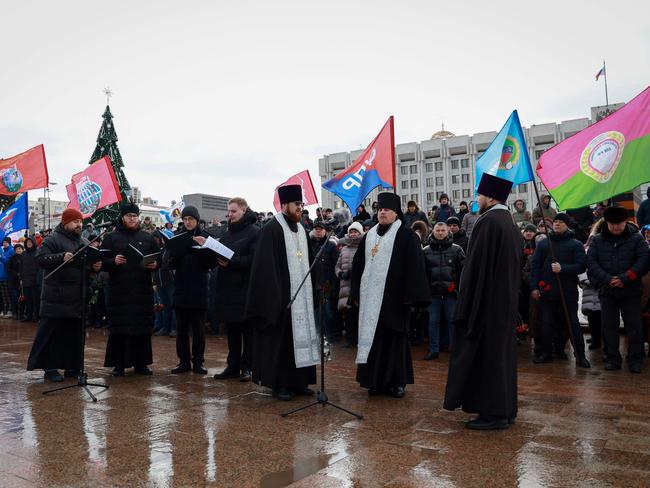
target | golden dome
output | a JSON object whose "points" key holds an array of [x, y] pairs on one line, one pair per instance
{"points": [[442, 134]]}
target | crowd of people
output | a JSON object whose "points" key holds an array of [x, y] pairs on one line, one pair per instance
{"points": [[383, 281]]}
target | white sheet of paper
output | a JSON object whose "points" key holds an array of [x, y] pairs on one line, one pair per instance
{"points": [[216, 246]]}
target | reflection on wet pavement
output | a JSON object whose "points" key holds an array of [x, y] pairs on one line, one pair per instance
{"points": [[575, 428]]}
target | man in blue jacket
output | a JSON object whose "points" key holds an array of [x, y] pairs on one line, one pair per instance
{"points": [[567, 261], [5, 254], [617, 260]]}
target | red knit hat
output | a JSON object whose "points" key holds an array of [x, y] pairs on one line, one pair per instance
{"points": [[70, 214]]}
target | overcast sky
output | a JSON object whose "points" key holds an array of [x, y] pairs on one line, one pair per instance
{"points": [[231, 98]]}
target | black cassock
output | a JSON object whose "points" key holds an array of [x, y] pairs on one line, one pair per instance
{"points": [[269, 292], [389, 362], [483, 365]]}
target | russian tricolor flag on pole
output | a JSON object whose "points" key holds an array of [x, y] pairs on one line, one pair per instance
{"points": [[600, 73]]}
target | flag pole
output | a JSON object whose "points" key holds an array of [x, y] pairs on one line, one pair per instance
{"points": [[557, 276], [606, 96]]}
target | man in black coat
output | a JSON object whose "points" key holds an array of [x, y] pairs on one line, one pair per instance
{"points": [[643, 214], [190, 299], [570, 261], [286, 345], [414, 214], [59, 341], [459, 235], [617, 259], [483, 365], [29, 278], [232, 286], [388, 278], [325, 276], [130, 299]]}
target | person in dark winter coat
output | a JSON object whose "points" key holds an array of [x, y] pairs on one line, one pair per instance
{"points": [[232, 286], [469, 221], [343, 272], [548, 213], [643, 214], [190, 298], [306, 222], [58, 343], [570, 261], [444, 211], [362, 214], [6, 253], [583, 219], [130, 299], [444, 262], [325, 276], [458, 235], [163, 283], [29, 277], [617, 259], [13, 279], [339, 223], [414, 214], [463, 209]]}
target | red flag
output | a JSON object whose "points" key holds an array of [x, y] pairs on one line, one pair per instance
{"points": [[25, 171], [308, 193], [94, 188]]}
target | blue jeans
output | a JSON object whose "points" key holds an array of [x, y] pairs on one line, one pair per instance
{"points": [[166, 319], [441, 308]]}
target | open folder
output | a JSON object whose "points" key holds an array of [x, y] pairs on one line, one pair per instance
{"points": [[134, 256]]}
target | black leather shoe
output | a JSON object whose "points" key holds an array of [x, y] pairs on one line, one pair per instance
{"points": [[612, 367], [283, 394], [245, 376], [71, 373], [227, 374], [480, 423], [582, 362], [118, 372], [52, 375], [199, 369], [431, 355], [398, 391], [543, 358], [181, 368], [143, 370], [634, 368]]}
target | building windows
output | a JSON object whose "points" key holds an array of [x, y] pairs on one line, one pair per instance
{"points": [[523, 188], [430, 197], [465, 178], [456, 194], [404, 170], [466, 193], [405, 198], [538, 153], [439, 166], [414, 183], [429, 182], [454, 164], [439, 180], [414, 169], [414, 197], [464, 163], [438, 193], [454, 179], [405, 185], [428, 167]]}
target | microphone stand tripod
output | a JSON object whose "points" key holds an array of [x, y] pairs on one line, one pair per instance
{"points": [[82, 379], [321, 396]]}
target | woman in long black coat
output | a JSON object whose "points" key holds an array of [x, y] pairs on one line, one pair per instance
{"points": [[232, 287], [130, 299]]}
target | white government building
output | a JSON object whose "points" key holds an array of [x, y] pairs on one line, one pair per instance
{"points": [[446, 163]]}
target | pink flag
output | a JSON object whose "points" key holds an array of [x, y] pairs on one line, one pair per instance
{"points": [[308, 193], [94, 188]]}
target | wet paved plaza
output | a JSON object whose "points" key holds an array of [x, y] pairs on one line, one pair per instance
{"points": [[575, 428]]}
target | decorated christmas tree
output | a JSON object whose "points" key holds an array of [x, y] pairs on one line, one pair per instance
{"points": [[107, 146]]}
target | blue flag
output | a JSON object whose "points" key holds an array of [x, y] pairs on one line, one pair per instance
{"points": [[507, 155], [15, 218]]}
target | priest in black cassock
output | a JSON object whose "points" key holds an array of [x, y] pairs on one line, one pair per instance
{"points": [[388, 278], [483, 365], [285, 343]]}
